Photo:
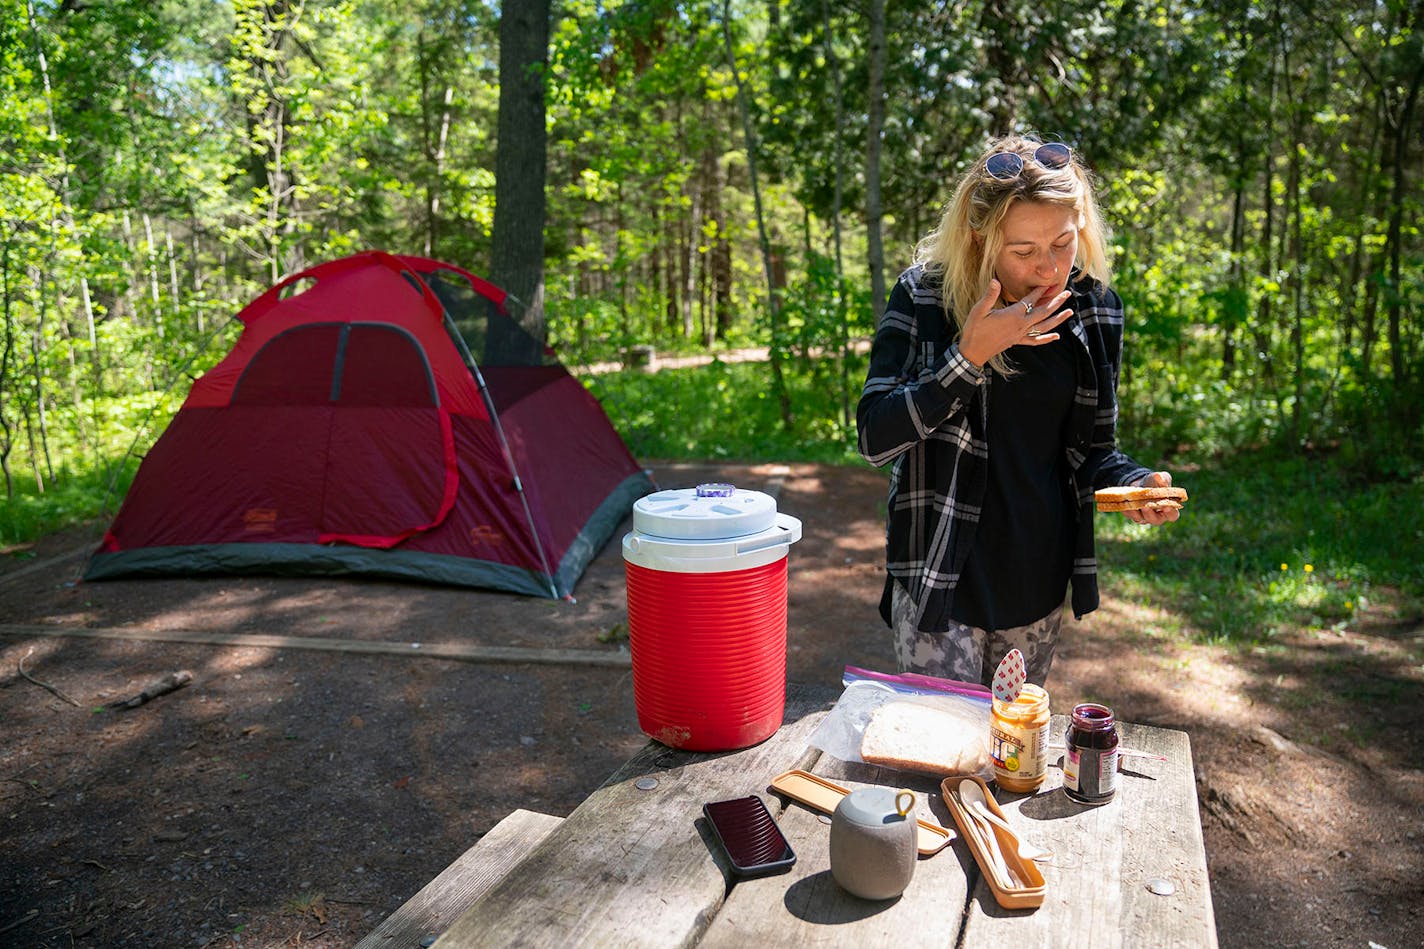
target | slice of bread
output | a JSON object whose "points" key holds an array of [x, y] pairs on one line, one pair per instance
{"points": [[1132, 498], [1138, 505], [1129, 492], [914, 737]]}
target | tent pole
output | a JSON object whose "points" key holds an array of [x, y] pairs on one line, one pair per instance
{"points": [[479, 378]]}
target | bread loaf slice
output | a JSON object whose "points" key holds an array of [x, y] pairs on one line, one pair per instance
{"points": [[914, 737], [1138, 505], [1131, 498]]}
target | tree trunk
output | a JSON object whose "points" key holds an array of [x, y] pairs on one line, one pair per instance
{"points": [[153, 293], [88, 316], [39, 450], [172, 269], [1369, 196], [705, 302], [67, 215], [128, 305], [198, 274], [688, 230], [873, 212], [7, 353], [1291, 242], [773, 302], [837, 197], [1399, 365], [717, 261], [517, 252], [720, 264], [1299, 270], [268, 121], [626, 329], [1000, 27], [1261, 327], [437, 170], [1236, 300]]}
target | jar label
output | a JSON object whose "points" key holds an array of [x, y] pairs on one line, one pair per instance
{"points": [[1021, 753], [1090, 773], [1107, 772]]}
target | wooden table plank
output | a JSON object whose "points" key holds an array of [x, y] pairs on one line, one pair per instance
{"points": [[1106, 856], [441, 901], [634, 867], [806, 907]]}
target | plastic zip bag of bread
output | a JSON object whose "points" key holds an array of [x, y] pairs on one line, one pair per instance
{"points": [[909, 722]]}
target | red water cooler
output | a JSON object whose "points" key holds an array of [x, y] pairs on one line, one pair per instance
{"points": [[706, 569]]}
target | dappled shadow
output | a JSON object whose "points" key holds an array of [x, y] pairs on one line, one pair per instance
{"points": [[272, 776], [1309, 746], [279, 774]]}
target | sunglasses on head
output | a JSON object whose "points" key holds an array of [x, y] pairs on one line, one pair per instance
{"points": [[1006, 166]]}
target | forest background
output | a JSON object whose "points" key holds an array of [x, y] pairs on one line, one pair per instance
{"points": [[714, 180], [716, 175]]}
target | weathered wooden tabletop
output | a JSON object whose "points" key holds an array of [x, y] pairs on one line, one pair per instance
{"points": [[636, 865]]}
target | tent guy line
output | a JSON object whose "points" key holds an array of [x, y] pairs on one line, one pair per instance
{"points": [[459, 651]]}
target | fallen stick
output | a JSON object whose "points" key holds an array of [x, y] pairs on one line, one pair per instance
{"points": [[169, 683], [20, 922], [43, 685]]}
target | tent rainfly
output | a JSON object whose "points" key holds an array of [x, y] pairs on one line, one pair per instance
{"points": [[351, 431]]}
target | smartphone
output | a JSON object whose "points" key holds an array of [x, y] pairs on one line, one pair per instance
{"points": [[749, 835]]}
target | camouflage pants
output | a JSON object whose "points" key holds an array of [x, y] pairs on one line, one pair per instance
{"points": [[967, 653]]}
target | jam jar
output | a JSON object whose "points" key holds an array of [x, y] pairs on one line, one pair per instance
{"points": [[1090, 755], [1018, 740]]}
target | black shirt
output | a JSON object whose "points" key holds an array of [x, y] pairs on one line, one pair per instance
{"points": [[1022, 556]]}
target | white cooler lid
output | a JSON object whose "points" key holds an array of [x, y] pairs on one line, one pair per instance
{"points": [[707, 512]]}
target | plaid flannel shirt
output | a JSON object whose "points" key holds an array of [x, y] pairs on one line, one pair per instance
{"points": [[925, 408]]}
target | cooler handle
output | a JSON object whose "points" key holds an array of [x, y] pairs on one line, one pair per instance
{"points": [[786, 532]]}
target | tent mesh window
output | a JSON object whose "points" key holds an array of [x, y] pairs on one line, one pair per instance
{"points": [[493, 338]]}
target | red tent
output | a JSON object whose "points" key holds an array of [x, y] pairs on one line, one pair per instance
{"points": [[351, 430]]}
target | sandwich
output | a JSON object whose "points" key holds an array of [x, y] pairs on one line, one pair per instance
{"points": [[1129, 498]]}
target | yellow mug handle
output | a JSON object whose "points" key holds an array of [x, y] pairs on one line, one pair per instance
{"points": [[904, 792]]}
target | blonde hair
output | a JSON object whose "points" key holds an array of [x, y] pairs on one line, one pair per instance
{"points": [[963, 248]]}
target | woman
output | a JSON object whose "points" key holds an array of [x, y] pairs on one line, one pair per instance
{"points": [[992, 388]]}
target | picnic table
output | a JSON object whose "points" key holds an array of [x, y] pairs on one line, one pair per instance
{"points": [[636, 865]]}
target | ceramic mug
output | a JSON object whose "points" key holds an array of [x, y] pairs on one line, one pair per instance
{"points": [[874, 838]]}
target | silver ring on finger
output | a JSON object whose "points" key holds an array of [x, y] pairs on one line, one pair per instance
{"points": [[1028, 308]]}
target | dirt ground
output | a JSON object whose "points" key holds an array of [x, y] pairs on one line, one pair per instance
{"points": [[297, 797]]}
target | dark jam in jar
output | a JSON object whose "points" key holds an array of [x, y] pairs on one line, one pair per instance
{"points": [[1090, 756]]}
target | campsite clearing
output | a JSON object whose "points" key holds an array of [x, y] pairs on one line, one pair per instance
{"points": [[293, 797]]}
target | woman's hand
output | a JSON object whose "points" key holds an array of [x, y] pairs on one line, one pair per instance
{"points": [[988, 332], [1152, 514]]}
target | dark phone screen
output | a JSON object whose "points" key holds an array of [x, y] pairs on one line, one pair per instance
{"points": [[749, 834]]}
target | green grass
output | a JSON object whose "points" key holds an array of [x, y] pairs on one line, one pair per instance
{"points": [[83, 484], [73, 499], [1268, 543], [728, 411]]}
